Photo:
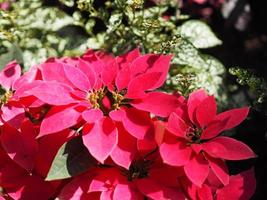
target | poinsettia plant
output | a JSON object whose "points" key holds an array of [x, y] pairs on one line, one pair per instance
{"points": [[99, 127]]}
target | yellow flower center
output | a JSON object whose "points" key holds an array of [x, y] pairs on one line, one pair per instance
{"points": [[5, 97], [95, 97]]}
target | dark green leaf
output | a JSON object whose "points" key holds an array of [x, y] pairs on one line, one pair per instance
{"points": [[72, 159]]}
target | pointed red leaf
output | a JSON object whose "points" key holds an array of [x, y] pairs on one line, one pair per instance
{"points": [[177, 126], [233, 117], [26, 78], [152, 63], [58, 119], [195, 98], [77, 78], [21, 147], [117, 115], [197, 170], [109, 73], [123, 78], [142, 83], [158, 103], [54, 71], [213, 129], [175, 154], [162, 65], [48, 92], [206, 111], [126, 59], [88, 71], [228, 149], [124, 152], [137, 123], [142, 63], [106, 135], [219, 167]]}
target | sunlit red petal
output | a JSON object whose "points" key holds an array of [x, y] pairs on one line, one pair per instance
{"points": [[54, 71], [124, 152], [142, 83], [123, 78], [197, 169], [206, 111], [175, 154], [177, 126], [77, 78], [158, 103], [106, 135], [58, 119], [137, 123], [233, 117], [88, 71], [126, 59], [228, 149], [48, 92], [219, 167], [195, 98]]}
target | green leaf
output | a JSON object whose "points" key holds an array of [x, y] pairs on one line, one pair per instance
{"points": [[13, 53], [199, 34], [72, 159], [186, 54], [115, 21], [213, 65]]}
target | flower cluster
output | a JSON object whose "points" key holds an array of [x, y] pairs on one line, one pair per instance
{"points": [[142, 143]]}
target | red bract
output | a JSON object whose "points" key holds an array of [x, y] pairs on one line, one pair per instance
{"points": [[241, 186], [145, 178], [13, 87], [148, 144], [20, 146], [11, 111], [19, 184], [103, 94], [191, 139]]}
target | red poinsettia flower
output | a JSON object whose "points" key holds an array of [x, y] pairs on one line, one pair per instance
{"points": [[145, 178], [12, 89], [241, 186], [191, 139], [102, 94]]}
